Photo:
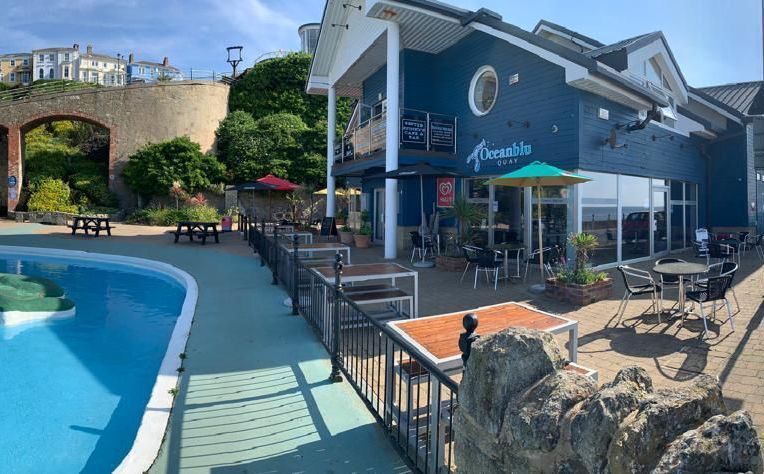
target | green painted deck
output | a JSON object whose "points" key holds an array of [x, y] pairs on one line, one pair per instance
{"points": [[254, 396]]}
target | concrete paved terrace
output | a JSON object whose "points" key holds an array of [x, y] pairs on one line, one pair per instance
{"points": [[254, 396]]}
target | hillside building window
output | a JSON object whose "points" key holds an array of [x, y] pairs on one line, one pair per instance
{"points": [[66, 72], [51, 73], [41, 74], [484, 89], [13, 62]]}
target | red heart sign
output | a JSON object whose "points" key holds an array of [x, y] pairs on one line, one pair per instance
{"points": [[446, 192]]}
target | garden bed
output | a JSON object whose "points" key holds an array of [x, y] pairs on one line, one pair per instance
{"points": [[450, 264], [579, 295]]}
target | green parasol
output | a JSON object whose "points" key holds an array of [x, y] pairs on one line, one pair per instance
{"points": [[536, 175]]}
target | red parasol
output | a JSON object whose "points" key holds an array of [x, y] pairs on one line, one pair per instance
{"points": [[278, 183]]}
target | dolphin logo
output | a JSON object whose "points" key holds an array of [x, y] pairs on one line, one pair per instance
{"points": [[475, 155]]}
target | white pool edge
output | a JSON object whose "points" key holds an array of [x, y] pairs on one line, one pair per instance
{"points": [[156, 416]]}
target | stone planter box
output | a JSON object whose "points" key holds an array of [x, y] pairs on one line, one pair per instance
{"points": [[579, 295], [362, 241], [346, 237], [450, 264]]}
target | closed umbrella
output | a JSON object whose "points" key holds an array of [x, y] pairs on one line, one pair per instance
{"points": [[412, 171], [537, 175]]}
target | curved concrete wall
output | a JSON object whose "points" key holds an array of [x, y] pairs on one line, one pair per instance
{"points": [[135, 115]]}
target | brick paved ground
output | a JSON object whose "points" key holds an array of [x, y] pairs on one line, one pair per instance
{"points": [[669, 352]]}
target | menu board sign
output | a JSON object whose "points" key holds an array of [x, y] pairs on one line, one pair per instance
{"points": [[413, 131], [442, 136]]}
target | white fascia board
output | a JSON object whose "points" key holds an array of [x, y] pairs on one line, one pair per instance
{"points": [[657, 47], [643, 103], [573, 71], [317, 85], [713, 107]]}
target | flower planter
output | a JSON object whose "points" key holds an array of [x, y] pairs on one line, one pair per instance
{"points": [[362, 241], [346, 237], [579, 295], [450, 264]]}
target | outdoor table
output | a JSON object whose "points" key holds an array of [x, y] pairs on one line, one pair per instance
{"points": [[88, 223], [681, 270], [510, 253], [200, 229], [290, 235], [371, 271], [320, 247], [437, 337]]}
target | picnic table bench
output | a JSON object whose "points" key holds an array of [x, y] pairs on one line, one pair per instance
{"points": [[201, 230], [90, 223]]}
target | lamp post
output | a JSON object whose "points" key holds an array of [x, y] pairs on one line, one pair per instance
{"points": [[234, 58]]}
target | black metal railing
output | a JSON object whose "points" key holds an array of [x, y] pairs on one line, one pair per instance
{"points": [[409, 396]]}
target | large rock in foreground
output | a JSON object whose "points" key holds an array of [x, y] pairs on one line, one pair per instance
{"points": [[520, 411]]}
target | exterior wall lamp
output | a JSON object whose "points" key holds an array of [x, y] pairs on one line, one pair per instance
{"points": [[234, 57], [523, 123]]}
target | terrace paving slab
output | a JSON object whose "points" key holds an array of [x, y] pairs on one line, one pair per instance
{"points": [[254, 396]]}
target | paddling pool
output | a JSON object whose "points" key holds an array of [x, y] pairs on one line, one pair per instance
{"points": [[73, 391]]}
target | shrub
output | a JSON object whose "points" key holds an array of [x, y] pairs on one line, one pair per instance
{"points": [[153, 169], [51, 195], [94, 189], [169, 216], [581, 274]]}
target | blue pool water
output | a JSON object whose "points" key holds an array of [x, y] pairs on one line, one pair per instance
{"points": [[73, 391]]}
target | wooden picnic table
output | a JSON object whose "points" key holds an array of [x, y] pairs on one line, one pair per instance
{"points": [[369, 272], [321, 247], [437, 337], [88, 223], [193, 229]]}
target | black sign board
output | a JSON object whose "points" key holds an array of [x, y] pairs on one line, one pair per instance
{"points": [[414, 131], [328, 227], [442, 134]]}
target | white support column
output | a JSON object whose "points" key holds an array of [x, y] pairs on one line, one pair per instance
{"points": [[391, 139], [331, 126]]}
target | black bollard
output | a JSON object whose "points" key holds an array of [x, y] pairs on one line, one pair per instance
{"points": [[295, 275], [336, 375], [470, 323], [261, 243], [275, 256]]}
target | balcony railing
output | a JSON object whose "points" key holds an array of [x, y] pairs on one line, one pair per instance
{"points": [[419, 130]]}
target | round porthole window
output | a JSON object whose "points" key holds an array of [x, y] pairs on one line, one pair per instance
{"points": [[483, 90]]}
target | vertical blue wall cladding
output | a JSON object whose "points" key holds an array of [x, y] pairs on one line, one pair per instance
{"points": [[679, 158], [440, 83], [375, 85], [727, 191]]}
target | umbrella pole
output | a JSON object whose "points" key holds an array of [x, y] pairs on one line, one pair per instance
{"points": [[422, 263], [541, 242]]}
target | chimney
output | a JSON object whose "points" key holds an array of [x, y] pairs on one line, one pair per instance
{"points": [[165, 61], [90, 49], [76, 47], [130, 58]]}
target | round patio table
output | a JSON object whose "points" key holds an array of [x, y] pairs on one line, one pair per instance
{"points": [[681, 270]]}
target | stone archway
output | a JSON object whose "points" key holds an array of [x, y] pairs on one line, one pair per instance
{"points": [[15, 153]]}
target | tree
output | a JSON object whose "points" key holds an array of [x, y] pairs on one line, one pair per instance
{"points": [[275, 126], [153, 169]]}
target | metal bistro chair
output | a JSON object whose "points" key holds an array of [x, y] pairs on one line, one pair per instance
{"points": [[487, 262], [533, 259], [637, 282], [420, 246], [668, 281], [470, 253], [720, 252], [753, 242], [715, 290], [721, 269]]}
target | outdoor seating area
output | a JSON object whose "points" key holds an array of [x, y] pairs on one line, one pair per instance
{"points": [[87, 224]]}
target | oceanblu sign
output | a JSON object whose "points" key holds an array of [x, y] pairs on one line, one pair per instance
{"points": [[501, 156]]}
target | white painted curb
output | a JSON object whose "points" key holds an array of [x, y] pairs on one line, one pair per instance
{"points": [[157, 414]]}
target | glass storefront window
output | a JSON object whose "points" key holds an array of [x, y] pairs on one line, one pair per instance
{"points": [[477, 193], [554, 216], [635, 217], [508, 218], [599, 215], [691, 218]]}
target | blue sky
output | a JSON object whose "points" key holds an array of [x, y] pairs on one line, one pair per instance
{"points": [[715, 41]]}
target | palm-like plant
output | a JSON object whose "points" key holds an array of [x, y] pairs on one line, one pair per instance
{"points": [[466, 214], [583, 244]]}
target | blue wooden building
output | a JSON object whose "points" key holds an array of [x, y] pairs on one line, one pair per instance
{"points": [[467, 91]]}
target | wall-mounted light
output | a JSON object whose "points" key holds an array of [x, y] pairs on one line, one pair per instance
{"points": [[523, 123], [658, 137], [343, 25], [350, 5]]}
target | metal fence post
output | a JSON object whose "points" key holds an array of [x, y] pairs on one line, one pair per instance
{"points": [[295, 275], [261, 241], [275, 253], [470, 324], [336, 375]]}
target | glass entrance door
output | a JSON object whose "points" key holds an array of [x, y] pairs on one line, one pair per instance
{"points": [[659, 218], [379, 214]]}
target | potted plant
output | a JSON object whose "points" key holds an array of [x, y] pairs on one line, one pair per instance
{"points": [[452, 259], [466, 214], [341, 217], [580, 285], [363, 237], [346, 234]]}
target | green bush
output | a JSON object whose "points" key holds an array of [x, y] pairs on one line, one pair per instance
{"points": [[153, 169], [51, 195], [169, 216], [94, 189]]}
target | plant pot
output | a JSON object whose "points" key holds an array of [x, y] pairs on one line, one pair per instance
{"points": [[346, 237], [450, 264], [339, 222], [579, 295], [362, 241]]}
